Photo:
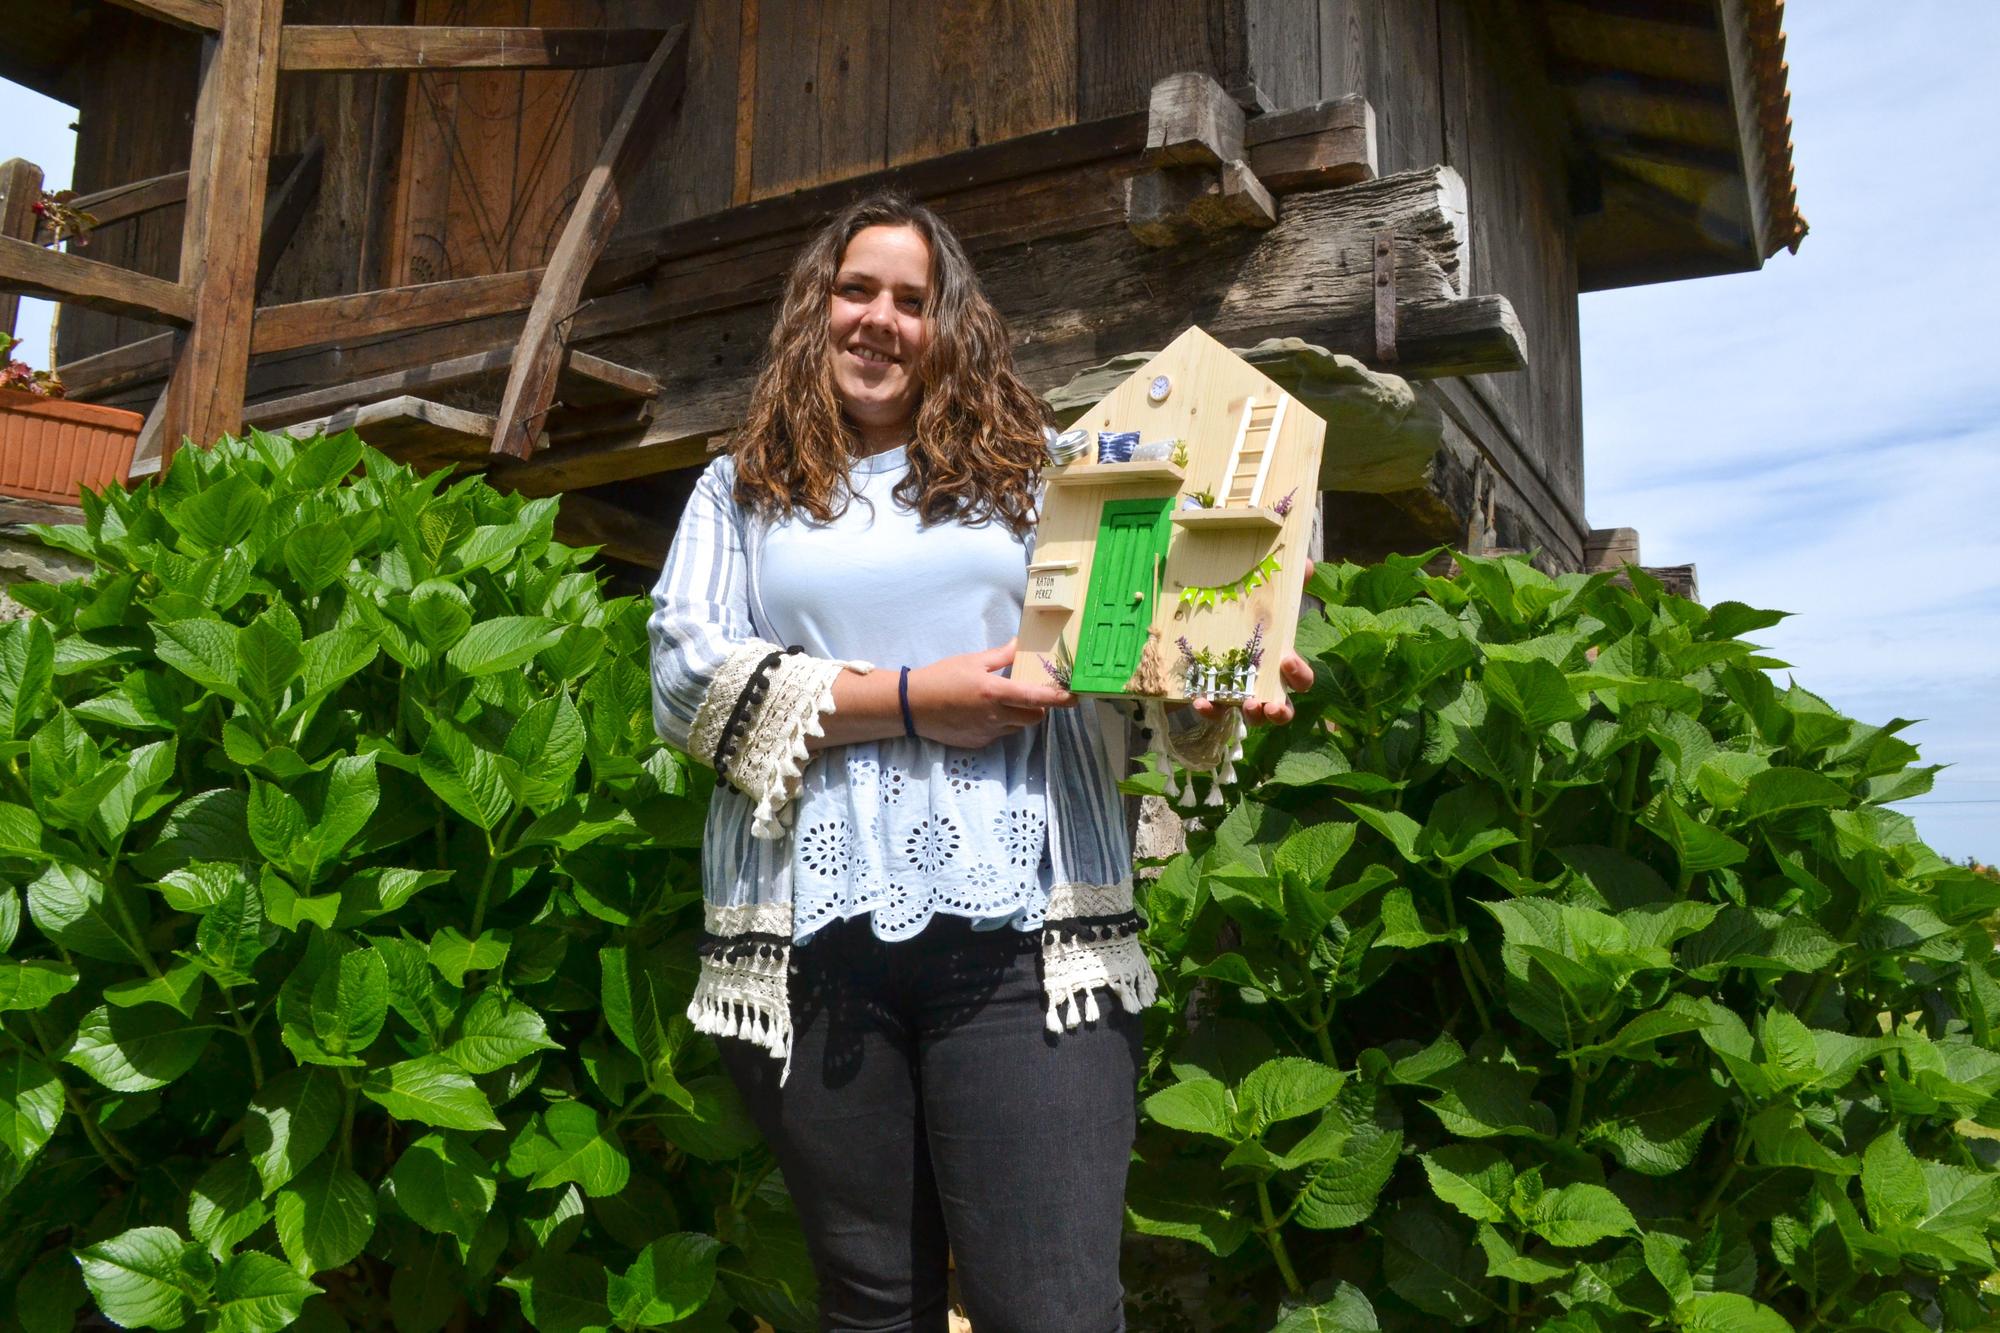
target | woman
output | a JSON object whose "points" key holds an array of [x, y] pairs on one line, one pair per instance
{"points": [[917, 870]]}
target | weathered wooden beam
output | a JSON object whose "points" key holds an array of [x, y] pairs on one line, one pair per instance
{"points": [[599, 381], [223, 231], [391, 310], [154, 192], [531, 384], [608, 380], [1610, 548], [1075, 301], [571, 468], [285, 208], [410, 430], [20, 191], [1201, 182], [194, 15], [1313, 147], [362, 47], [29, 269], [585, 520], [1191, 120]]}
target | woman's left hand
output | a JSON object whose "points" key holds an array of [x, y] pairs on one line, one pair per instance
{"points": [[1293, 672]]}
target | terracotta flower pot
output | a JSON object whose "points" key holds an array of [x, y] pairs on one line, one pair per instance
{"points": [[50, 449]]}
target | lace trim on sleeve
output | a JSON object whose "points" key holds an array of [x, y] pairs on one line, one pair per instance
{"points": [[746, 955], [758, 715], [1090, 942]]}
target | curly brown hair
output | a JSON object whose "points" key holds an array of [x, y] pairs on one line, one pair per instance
{"points": [[977, 448]]}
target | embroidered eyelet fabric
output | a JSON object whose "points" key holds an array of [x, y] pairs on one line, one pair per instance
{"points": [[905, 829]]}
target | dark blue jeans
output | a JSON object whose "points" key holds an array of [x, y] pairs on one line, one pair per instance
{"points": [[930, 1109]]}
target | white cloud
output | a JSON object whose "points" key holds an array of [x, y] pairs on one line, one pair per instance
{"points": [[1824, 436]]}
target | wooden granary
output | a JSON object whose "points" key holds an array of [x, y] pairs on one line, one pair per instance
{"points": [[541, 237]]}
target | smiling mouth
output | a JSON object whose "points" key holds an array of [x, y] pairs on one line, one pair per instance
{"points": [[874, 357]]}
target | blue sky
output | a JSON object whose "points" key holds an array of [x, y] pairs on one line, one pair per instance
{"points": [[1821, 437]]}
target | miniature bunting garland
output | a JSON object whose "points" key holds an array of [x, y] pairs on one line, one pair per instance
{"points": [[1255, 577]]}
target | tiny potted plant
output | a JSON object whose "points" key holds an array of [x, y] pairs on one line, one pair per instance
{"points": [[50, 448]]}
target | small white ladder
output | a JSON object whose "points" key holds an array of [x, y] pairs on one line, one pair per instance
{"points": [[1250, 457]]}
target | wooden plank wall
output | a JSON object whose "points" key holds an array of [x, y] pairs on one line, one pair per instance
{"points": [[341, 231], [1460, 82], [492, 159], [135, 119]]}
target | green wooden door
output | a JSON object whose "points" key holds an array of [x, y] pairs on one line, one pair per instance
{"points": [[1131, 536]]}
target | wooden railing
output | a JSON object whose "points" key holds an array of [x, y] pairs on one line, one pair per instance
{"points": [[210, 307]]}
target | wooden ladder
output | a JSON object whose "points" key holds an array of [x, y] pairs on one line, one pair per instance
{"points": [[1250, 457]]}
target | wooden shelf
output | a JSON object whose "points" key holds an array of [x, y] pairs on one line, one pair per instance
{"points": [[1113, 474], [1239, 516]]}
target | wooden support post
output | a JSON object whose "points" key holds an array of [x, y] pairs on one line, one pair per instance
{"points": [[531, 384], [219, 244], [20, 189]]}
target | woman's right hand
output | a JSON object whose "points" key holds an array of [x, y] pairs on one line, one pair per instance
{"points": [[965, 702]]}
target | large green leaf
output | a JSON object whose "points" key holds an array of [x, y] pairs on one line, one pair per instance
{"points": [[496, 1033], [1347, 1312], [1197, 1105], [1282, 1089], [431, 1091], [84, 915], [31, 984], [268, 657], [453, 955], [572, 1144], [1344, 1190], [203, 650], [147, 1277], [325, 1216], [1576, 1215], [1473, 1178], [31, 1105], [350, 1000], [133, 1050], [254, 1293], [221, 515], [465, 777], [226, 1205], [317, 554], [669, 1281], [1430, 1264], [444, 1185], [289, 1122], [20, 831], [562, 1293], [27, 666], [233, 932], [502, 644]]}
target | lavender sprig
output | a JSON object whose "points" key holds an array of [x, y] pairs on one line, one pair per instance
{"points": [[1254, 654], [1187, 649], [1284, 506], [1057, 672]]}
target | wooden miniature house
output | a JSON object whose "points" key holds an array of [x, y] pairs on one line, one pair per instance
{"points": [[541, 238], [1176, 576]]}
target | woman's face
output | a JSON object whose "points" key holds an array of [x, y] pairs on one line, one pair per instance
{"points": [[877, 328]]}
